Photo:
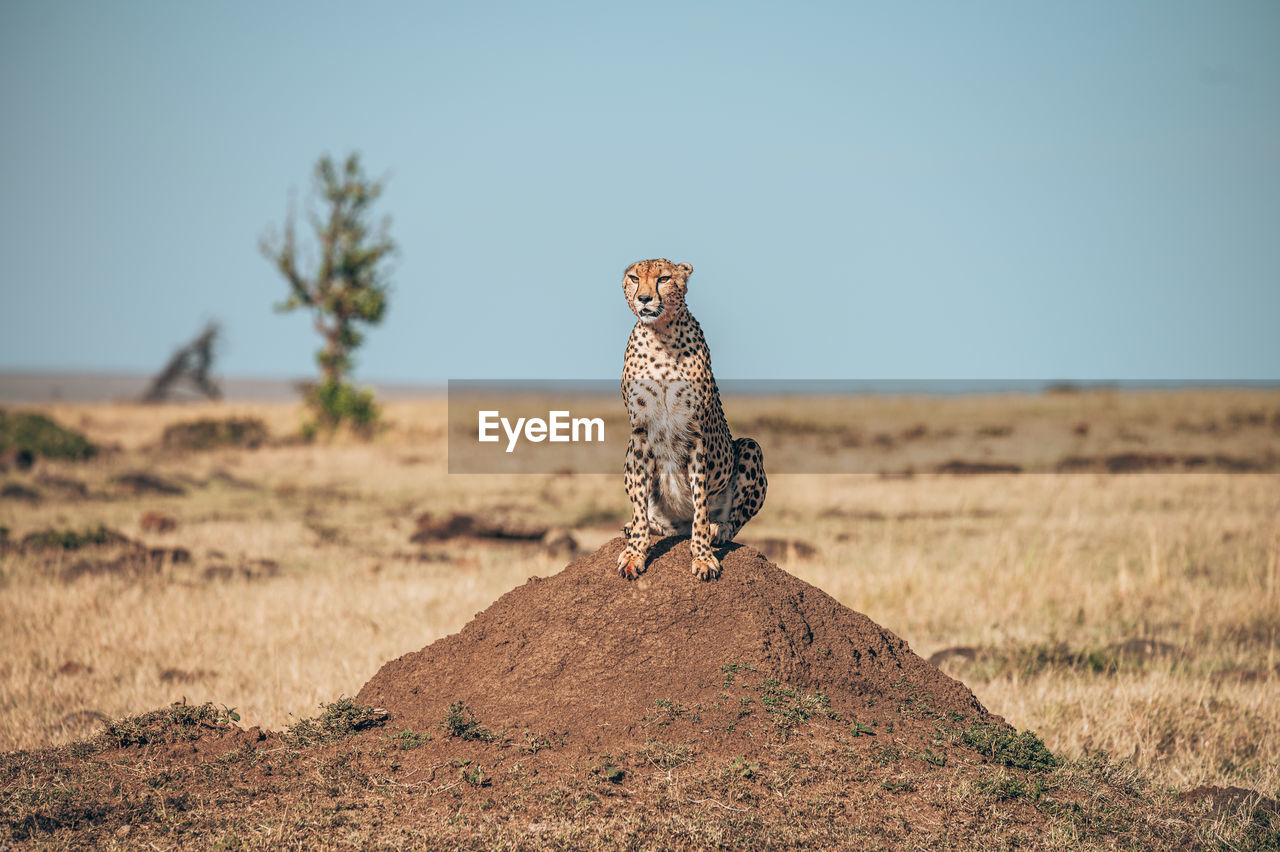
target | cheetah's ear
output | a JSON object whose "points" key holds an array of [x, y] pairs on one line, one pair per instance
{"points": [[686, 268]]}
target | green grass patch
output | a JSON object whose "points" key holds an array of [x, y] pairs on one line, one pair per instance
{"points": [[1007, 747], [407, 740], [460, 722], [42, 437], [1005, 788], [534, 742], [933, 758], [731, 671], [336, 721], [789, 707]]}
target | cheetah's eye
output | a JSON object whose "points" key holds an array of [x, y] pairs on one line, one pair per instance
{"points": [[664, 279], [634, 278]]}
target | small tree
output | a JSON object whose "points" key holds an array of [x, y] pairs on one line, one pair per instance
{"points": [[348, 286]]}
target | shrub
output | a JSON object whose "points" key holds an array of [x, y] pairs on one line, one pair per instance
{"points": [[336, 721], [1008, 747], [460, 722], [42, 437], [338, 402], [210, 433], [176, 723]]}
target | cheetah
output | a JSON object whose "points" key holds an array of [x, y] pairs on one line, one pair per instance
{"points": [[685, 474]]}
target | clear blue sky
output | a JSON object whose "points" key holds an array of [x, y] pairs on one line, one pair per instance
{"points": [[893, 190]]}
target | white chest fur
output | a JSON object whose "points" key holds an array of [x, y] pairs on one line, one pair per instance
{"points": [[667, 411]]}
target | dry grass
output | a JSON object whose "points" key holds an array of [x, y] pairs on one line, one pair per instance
{"points": [[1037, 572]]}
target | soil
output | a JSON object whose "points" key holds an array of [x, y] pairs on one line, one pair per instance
{"points": [[590, 654], [584, 711]]}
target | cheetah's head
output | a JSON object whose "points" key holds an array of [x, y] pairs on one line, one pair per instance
{"points": [[655, 289]]}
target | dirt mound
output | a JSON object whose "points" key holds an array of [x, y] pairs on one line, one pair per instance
{"points": [[590, 654]]}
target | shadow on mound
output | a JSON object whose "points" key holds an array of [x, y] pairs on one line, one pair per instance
{"points": [[588, 653]]}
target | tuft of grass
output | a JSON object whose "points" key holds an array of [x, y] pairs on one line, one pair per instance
{"points": [[886, 755], [43, 437], [731, 670], [1252, 825], [534, 742], [665, 755], [671, 709], [460, 722], [933, 758], [1004, 788], [608, 769], [407, 740], [474, 776], [337, 720], [789, 707], [179, 722], [1008, 747]]}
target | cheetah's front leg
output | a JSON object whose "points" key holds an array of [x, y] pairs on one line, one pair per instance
{"points": [[705, 564], [639, 482]]}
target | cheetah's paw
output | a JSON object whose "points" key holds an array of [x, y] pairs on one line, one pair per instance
{"points": [[630, 563], [706, 567]]}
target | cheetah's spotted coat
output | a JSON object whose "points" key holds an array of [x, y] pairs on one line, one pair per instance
{"points": [[685, 474]]}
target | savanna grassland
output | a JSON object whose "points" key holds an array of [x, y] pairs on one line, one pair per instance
{"points": [[1136, 613]]}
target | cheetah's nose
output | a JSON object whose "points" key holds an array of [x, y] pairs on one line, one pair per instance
{"points": [[646, 299]]}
